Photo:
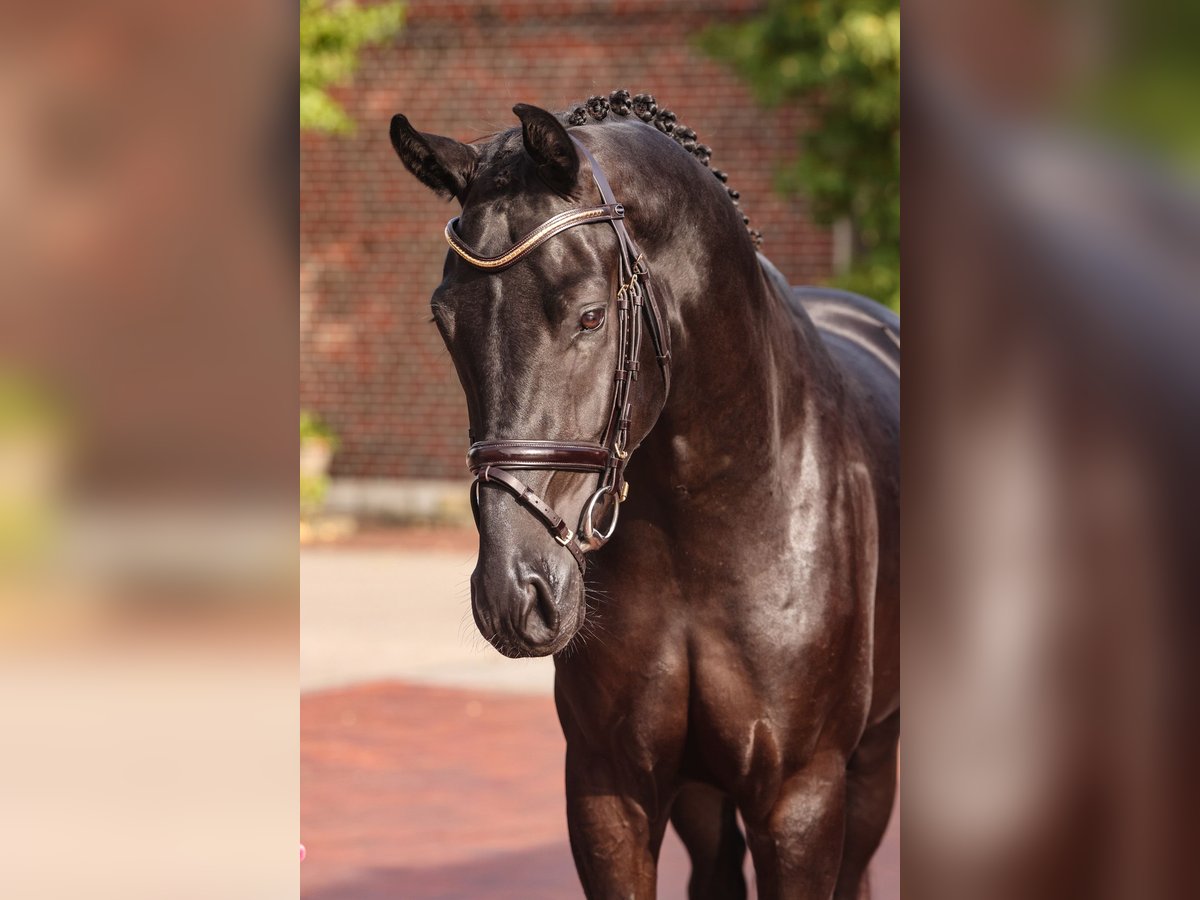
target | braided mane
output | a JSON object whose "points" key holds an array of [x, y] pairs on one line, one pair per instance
{"points": [[644, 107]]}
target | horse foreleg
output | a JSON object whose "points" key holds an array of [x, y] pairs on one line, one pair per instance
{"points": [[706, 821], [796, 840], [616, 831], [870, 794]]}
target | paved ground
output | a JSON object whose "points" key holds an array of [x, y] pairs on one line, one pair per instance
{"points": [[431, 766], [373, 611]]}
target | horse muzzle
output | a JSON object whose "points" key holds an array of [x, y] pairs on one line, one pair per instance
{"points": [[526, 605]]}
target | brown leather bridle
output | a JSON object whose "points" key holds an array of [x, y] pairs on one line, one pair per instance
{"points": [[493, 462]]}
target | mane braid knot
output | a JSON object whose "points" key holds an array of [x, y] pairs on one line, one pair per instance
{"points": [[644, 107], [597, 108], [621, 103]]}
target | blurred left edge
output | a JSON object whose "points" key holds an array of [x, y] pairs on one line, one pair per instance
{"points": [[148, 562]]}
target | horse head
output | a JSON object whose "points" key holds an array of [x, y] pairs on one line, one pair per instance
{"points": [[536, 339]]}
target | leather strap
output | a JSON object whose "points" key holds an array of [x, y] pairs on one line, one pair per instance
{"points": [[534, 503], [659, 333], [569, 457]]}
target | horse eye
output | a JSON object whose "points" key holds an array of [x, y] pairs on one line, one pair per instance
{"points": [[592, 319]]}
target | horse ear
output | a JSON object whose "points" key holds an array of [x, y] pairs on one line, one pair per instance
{"points": [[441, 163], [552, 150]]}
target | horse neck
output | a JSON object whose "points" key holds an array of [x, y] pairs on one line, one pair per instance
{"points": [[748, 370]]}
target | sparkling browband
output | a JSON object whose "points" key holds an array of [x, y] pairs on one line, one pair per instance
{"points": [[608, 213]]}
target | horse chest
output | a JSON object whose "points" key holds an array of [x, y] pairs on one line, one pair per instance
{"points": [[773, 654]]}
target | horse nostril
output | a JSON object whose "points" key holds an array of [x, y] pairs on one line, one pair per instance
{"points": [[541, 607]]}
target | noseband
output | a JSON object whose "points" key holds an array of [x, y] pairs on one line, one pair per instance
{"points": [[493, 462]]}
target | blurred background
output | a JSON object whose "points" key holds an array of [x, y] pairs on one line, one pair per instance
{"points": [[149, 343], [1051, 229], [432, 766], [148, 622]]}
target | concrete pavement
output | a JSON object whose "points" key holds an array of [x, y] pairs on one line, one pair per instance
{"points": [[404, 614]]}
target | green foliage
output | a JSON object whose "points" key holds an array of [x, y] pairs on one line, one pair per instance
{"points": [[330, 37], [845, 56], [313, 427], [312, 494], [317, 441], [1149, 79]]}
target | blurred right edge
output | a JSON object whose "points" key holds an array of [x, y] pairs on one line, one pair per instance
{"points": [[1051, 249]]}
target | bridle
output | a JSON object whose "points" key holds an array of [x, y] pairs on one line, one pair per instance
{"points": [[493, 462]]}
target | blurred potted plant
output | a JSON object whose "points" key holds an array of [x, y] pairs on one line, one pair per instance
{"points": [[317, 446]]}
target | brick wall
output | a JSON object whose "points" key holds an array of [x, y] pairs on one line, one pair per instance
{"points": [[371, 235]]}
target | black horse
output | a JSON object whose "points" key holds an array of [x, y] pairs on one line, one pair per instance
{"points": [[734, 647]]}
